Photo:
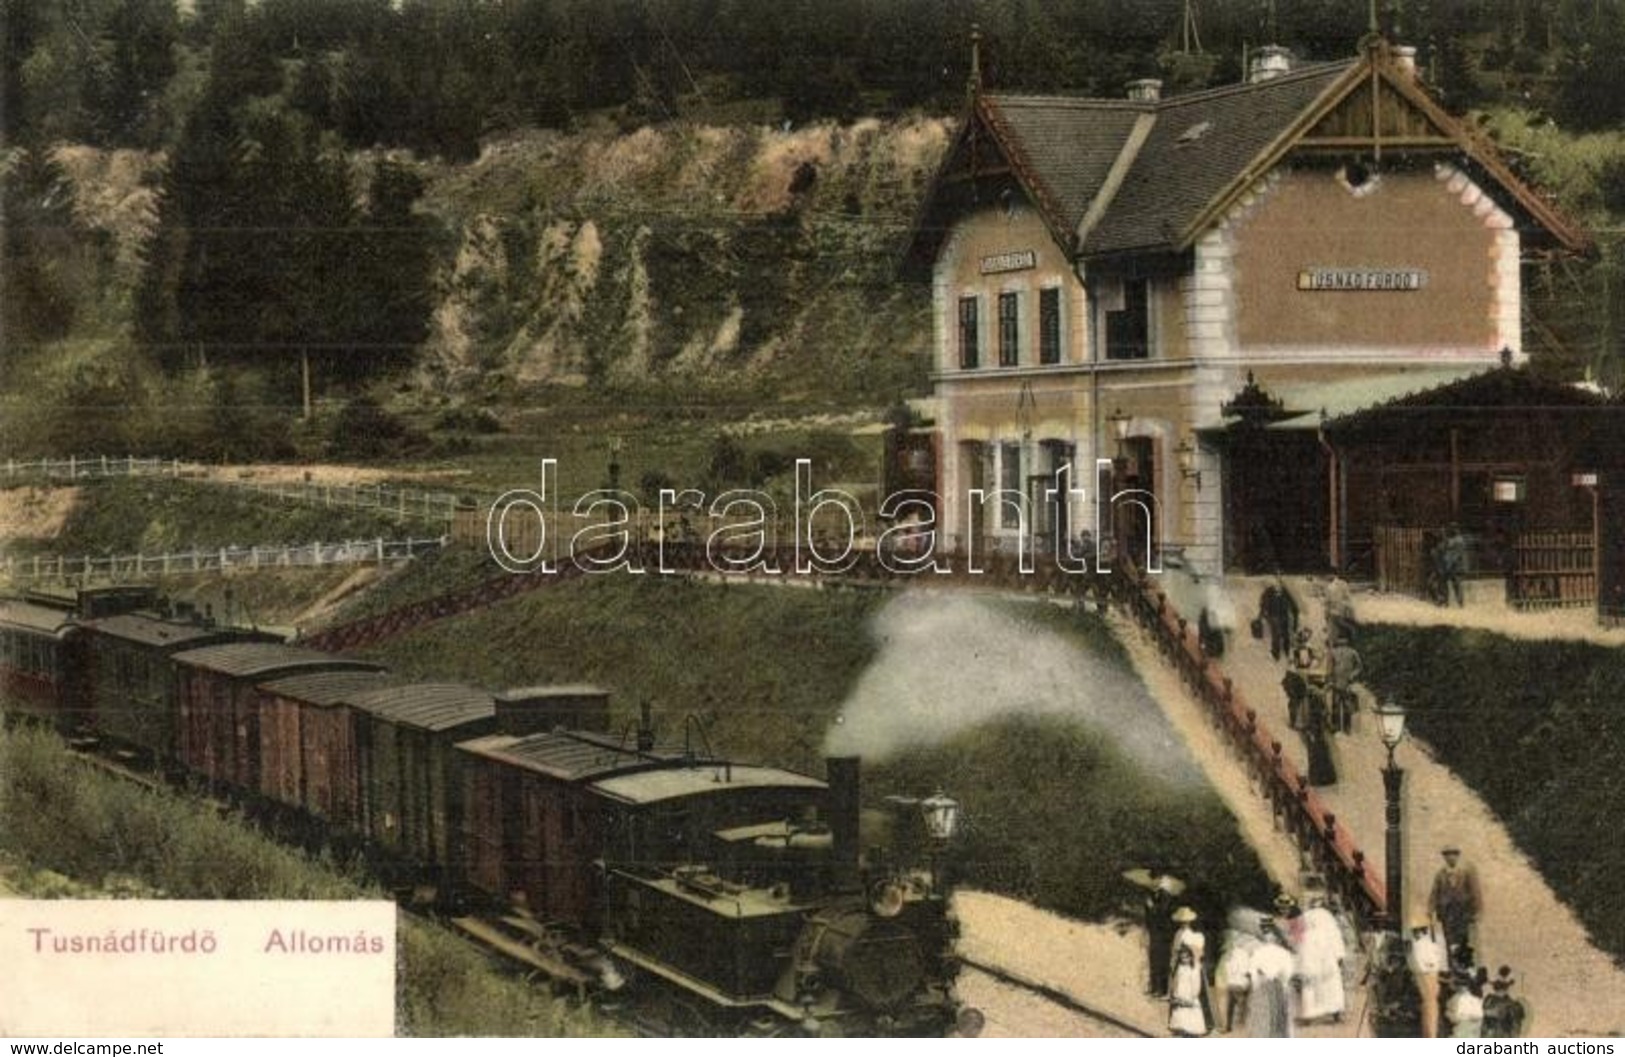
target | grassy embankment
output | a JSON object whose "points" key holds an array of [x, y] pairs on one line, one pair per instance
{"points": [[1535, 728], [67, 831], [1056, 811]]}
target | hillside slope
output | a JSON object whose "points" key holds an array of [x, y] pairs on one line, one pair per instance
{"points": [[716, 259]]}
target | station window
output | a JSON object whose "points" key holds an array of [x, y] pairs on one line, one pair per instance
{"points": [[1010, 483], [1009, 329], [969, 333], [1049, 325], [1128, 322]]}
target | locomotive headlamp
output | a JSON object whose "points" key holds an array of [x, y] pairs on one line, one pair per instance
{"points": [[941, 814]]}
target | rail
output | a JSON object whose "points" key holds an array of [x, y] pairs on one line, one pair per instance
{"points": [[433, 507], [1298, 808], [78, 467], [388, 500], [40, 568]]}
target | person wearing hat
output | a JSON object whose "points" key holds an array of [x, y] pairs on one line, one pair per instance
{"points": [[1279, 612], [1269, 1006], [1426, 960], [1343, 671], [1503, 1014], [1235, 972], [1288, 919], [1465, 1009], [1319, 964], [1451, 562], [1159, 932], [1190, 938], [1456, 903], [1186, 1017], [1296, 682]]}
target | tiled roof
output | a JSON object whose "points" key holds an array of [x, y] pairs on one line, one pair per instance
{"points": [[1498, 389], [1202, 143], [1173, 157], [1069, 143]]}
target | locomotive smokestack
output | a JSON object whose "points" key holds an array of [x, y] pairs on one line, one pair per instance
{"points": [[842, 773]]}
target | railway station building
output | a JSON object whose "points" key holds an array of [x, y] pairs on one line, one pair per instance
{"points": [[1173, 294]]}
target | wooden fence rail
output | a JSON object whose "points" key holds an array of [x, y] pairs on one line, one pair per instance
{"points": [[131, 567], [1297, 807], [407, 504]]}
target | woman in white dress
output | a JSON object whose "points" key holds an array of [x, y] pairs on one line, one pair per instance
{"points": [[1269, 1006], [1185, 1017], [1319, 965]]}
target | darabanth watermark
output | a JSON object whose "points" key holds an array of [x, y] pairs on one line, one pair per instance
{"points": [[740, 530]]}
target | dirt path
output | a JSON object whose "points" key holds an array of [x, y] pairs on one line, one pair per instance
{"points": [[322, 473], [1561, 973]]}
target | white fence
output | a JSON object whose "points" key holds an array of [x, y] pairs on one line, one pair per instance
{"points": [[403, 503], [40, 567], [75, 467]]}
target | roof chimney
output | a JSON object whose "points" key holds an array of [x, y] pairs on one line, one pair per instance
{"points": [[1269, 62], [1405, 60], [1145, 90]]}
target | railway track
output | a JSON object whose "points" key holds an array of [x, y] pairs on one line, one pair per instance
{"points": [[1057, 997]]}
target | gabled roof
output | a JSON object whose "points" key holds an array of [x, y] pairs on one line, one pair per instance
{"points": [[1201, 145], [1117, 177], [1499, 389]]}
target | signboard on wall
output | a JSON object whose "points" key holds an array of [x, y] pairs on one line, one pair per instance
{"points": [[1362, 279], [1014, 261]]}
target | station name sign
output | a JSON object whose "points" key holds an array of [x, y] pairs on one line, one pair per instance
{"points": [[1015, 261], [1362, 279]]}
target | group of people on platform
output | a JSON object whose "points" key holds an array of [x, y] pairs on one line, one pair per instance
{"points": [[1272, 973], [1443, 959], [1322, 685], [1275, 972]]}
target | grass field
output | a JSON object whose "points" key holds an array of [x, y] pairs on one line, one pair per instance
{"points": [[68, 831], [1068, 772], [1535, 728]]}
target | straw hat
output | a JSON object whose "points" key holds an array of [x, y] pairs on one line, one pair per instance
{"points": [[1184, 915]]}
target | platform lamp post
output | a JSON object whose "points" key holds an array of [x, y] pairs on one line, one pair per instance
{"points": [[1391, 724], [1589, 479]]}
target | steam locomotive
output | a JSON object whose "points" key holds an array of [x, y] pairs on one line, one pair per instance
{"points": [[745, 890]]}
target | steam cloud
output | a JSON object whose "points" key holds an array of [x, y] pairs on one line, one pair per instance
{"points": [[950, 663]]}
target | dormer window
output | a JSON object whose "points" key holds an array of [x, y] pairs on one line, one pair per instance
{"points": [[1128, 320]]}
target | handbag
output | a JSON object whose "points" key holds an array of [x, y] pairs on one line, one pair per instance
{"points": [[1257, 627]]}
